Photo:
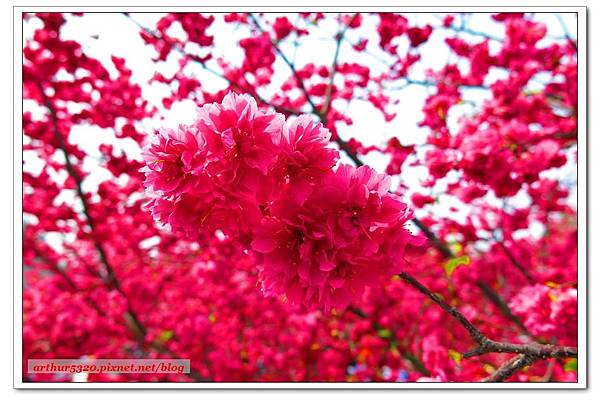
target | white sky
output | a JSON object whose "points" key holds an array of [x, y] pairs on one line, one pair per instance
{"points": [[105, 34]]}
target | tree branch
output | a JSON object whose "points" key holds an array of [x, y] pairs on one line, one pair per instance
{"points": [[509, 368], [485, 345], [474, 332], [538, 351], [132, 321]]}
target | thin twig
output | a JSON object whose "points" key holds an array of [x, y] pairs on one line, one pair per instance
{"points": [[338, 45], [110, 278], [473, 32], [549, 371], [435, 241], [432, 83], [203, 64], [567, 35], [299, 80], [504, 308], [515, 262]]}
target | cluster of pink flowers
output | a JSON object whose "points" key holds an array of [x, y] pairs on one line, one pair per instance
{"points": [[322, 235], [548, 312]]}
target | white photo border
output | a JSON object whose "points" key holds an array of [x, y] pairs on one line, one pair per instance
{"points": [[582, 197]]}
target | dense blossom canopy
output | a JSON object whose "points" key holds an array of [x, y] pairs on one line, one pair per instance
{"points": [[309, 221]]}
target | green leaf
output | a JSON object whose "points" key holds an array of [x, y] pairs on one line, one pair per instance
{"points": [[165, 336], [455, 356], [571, 365], [384, 333], [529, 92], [452, 264]]}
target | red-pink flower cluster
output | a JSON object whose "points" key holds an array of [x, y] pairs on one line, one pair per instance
{"points": [[322, 235], [213, 175], [325, 247], [548, 312]]}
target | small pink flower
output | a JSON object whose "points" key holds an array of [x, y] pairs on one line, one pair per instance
{"points": [[305, 146], [240, 140], [304, 157], [175, 162]]}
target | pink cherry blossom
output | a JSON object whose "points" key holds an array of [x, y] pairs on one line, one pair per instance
{"points": [[176, 161], [241, 142], [211, 175]]}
